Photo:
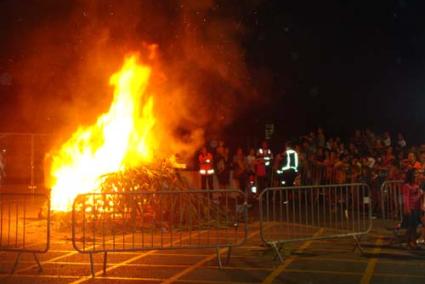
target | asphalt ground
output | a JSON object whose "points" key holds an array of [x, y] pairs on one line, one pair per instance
{"points": [[321, 261]]}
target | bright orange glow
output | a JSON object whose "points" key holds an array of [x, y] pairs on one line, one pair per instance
{"points": [[122, 137]]}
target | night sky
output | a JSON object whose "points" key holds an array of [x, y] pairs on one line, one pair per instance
{"points": [[343, 64], [340, 65]]}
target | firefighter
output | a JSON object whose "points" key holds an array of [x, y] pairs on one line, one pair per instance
{"points": [[264, 166], [206, 169], [266, 154], [289, 169]]}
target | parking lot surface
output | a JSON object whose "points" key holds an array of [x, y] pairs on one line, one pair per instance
{"points": [[321, 261]]}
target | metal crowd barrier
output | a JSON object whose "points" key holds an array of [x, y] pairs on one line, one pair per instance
{"points": [[391, 205], [392, 200], [300, 213], [24, 224], [138, 221]]}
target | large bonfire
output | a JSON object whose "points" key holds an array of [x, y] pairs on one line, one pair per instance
{"points": [[121, 140]]}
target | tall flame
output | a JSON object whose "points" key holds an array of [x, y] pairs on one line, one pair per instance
{"points": [[121, 137]]}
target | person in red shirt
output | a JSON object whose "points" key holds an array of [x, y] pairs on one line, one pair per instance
{"points": [[206, 169], [240, 169], [389, 156], [412, 196], [394, 172], [263, 166]]}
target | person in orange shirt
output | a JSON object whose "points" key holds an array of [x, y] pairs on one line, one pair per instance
{"points": [[411, 162], [341, 167]]}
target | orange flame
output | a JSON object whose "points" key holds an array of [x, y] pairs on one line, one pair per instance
{"points": [[120, 138]]}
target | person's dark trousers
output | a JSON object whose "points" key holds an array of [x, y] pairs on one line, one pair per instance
{"points": [[210, 181], [268, 178], [207, 180], [243, 182], [411, 223], [289, 177], [261, 183]]}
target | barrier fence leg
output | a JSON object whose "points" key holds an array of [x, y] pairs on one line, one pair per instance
{"points": [[219, 257], [357, 245], [16, 262], [277, 251], [229, 254], [105, 259], [18, 257], [91, 265], [40, 269]]}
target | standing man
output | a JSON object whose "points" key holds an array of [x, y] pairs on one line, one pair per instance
{"points": [[206, 169], [264, 166], [265, 153], [289, 169]]}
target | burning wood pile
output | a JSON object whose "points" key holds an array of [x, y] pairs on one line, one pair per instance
{"points": [[153, 198], [162, 177]]}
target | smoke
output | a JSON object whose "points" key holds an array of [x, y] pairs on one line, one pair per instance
{"points": [[67, 53], [208, 83]]}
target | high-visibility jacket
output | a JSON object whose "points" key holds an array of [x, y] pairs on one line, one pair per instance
{"points": [[206, 164], [290, 161], [266, 155]]}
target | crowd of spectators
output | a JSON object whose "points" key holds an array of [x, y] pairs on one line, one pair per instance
{"points": [[364, 157]]}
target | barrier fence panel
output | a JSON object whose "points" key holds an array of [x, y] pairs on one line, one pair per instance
{"points": [[137, 221], [24, 224], [392, 202], [300, 213]]}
